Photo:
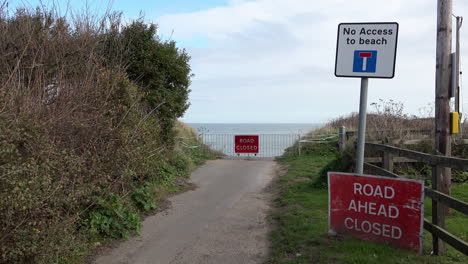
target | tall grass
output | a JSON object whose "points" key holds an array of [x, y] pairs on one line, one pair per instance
{"points": [[386, 121]]}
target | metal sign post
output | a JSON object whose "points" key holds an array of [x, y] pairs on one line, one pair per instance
{"points": [[362, 126], [365, 50]]}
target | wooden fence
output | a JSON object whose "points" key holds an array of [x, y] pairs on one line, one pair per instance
{"points": [[407, 136], [439, 200]]}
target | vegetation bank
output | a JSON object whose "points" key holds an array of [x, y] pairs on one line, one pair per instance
{"points": [[89, 138]]}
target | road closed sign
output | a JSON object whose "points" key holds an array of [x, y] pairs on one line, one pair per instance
{"points": [[246, 144], [366, 50], [377, 208]]}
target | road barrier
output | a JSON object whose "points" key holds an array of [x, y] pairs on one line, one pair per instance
{"points": [[269, 145]]}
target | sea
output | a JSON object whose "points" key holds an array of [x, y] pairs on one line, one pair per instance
{"points": [[263, 128], [274, 139]]}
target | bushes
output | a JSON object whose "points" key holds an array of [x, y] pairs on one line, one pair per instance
{"points": [[143, 198], [112, 218], [84, 142], [40, 189], [182, 163], [160, 68]]}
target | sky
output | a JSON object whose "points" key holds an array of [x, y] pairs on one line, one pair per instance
{"points": [[272, 61]]}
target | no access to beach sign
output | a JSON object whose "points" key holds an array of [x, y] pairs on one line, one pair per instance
{"points": [[366, 50]]}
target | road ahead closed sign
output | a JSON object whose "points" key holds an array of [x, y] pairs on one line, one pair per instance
{"points": [[366, 50], [377, 208]]}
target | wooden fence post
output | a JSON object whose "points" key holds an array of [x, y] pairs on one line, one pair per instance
{"points": [[342, 138], [438, 212], [387, 161]]}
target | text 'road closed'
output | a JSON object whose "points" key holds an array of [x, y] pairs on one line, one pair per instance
{"points": [[246, 144]]}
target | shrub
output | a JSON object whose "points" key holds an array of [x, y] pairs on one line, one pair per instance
{"points": [[112, 218], [166, 174], [143, 198], [33, 200], [78, 121], [459, 176], [160, 68], [181, 163]]}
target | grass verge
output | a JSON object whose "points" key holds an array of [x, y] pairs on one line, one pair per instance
{"points": [[301, 224]]}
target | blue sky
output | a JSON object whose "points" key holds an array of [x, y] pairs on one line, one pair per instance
{"points": [[273, 60], [150, 9], [131, 8]]}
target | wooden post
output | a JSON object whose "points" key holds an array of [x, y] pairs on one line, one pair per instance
{"points": [[456, 67], [438, 212], [342, 138], [387, 161], [442, 96]]}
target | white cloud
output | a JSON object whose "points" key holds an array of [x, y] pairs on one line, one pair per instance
{"points": [[273, 60]]}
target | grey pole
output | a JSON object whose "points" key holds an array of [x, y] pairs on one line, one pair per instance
{"points": [[299, 144], [362, 126]]}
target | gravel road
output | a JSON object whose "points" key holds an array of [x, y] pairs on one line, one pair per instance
{"points": [[221, 221]]}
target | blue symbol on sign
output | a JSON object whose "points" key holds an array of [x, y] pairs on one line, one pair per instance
{"points": [[365, 60]]}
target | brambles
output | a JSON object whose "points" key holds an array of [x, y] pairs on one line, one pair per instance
{"points": [[76, 123]]}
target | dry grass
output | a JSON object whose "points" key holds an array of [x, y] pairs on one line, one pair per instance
{"points": [[385, 122]]}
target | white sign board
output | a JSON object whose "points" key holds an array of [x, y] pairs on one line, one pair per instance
{"points": [[366, 50]]}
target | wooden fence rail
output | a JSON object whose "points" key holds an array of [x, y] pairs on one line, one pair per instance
{"points": [[435, 160], [439, 199]]}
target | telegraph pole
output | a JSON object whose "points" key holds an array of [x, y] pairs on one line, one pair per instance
{"points": [[442, 89], [442, 176], [456, 69]]}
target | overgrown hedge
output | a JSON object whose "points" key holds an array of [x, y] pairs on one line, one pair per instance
{"points": [[87, 114]]}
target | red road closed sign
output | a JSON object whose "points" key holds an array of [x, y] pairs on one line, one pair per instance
{"points": [[246, 144], [377, 208]]}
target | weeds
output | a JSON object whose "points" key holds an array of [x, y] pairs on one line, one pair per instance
{"points": [[143, 198], [112, 218]]}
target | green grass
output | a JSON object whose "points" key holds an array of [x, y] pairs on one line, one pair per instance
{"points": [[301, 224]]}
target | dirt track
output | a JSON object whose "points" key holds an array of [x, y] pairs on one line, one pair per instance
{"points": [[222, 221]]}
